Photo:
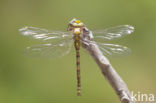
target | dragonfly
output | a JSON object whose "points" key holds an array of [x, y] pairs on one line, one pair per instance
{"points": [[59, 43]]}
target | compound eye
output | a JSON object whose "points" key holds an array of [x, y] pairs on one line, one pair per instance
{"points": [[77, 21], [72, 21]]}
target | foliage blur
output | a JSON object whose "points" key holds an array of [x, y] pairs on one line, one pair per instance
{"points": [[37, 80]]}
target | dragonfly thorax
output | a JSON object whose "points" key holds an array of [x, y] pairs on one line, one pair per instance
{"points": [[77, 31]]}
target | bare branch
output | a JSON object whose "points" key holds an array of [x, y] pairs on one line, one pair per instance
{"points": [[109, 72]]}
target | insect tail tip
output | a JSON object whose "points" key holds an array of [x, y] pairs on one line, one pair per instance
{"points": [[78, 93]]}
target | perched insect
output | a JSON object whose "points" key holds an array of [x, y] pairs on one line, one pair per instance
{"points": [[59, 43]]}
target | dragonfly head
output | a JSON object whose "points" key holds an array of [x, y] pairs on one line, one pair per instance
{"points": [[76, 23]]}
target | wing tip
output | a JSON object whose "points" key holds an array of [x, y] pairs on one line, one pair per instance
{"points": [[25, 30], [21, 30], [130, 29]]}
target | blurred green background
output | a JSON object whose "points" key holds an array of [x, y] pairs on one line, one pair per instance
{"points": [[37, 80]]}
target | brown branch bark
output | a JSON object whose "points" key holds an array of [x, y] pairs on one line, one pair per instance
{"points": [[109, 72]]}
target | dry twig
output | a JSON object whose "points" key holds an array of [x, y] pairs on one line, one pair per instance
{"points": [[109, 72]]}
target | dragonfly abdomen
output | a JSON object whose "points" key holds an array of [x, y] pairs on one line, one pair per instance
{"points": [[77, 48], [78, 73]]}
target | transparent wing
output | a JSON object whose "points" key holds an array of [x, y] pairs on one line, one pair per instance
{"points": [[111, 49], [51, 50], [113, 32], [43, 34]]}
